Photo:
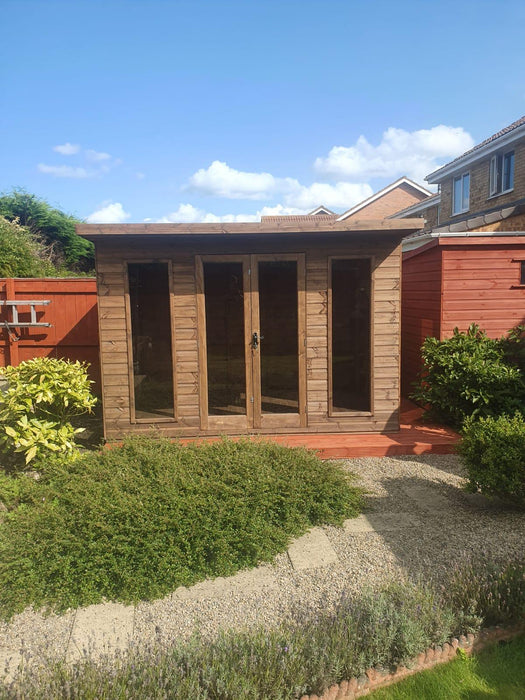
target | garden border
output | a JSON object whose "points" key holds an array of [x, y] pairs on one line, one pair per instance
{"points": [[375, 678]]}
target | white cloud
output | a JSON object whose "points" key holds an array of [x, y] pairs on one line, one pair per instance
{"points": [[65, 171], [400, 152], [341, 195], [219, 180], [109, 213], [140, 176], [96, 156], [99, 162], [67, 149], [188, 214]]}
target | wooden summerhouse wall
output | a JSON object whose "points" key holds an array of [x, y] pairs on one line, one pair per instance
{"points": [[115, 332]]}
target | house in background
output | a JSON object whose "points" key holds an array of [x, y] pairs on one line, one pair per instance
{"points": [[398, 195], [467, 263]]}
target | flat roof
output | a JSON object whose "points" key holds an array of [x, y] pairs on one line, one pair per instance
{"points": [[370, 226]]}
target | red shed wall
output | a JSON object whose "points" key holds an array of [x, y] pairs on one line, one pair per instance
{"points": [[420, 308], [72, 314], [481, 284]]}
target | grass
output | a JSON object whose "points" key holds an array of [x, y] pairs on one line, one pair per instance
{"points": [[497, 672], [136, 522]]}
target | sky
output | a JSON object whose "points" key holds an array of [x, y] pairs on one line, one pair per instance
{"points": [[123, 111]]}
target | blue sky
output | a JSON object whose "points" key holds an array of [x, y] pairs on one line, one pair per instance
{"points": [[208, 110]]}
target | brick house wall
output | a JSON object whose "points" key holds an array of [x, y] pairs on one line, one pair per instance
{"points": [[479, 187], [399, 198]]}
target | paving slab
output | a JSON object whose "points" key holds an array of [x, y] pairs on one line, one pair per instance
{"points": [[379, 522], [243, 582], [427, 497], [312, 550], [101, 629]]}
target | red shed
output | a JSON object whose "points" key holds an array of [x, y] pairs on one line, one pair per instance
{"points": [[455, 279]]}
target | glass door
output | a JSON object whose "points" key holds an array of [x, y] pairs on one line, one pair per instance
{"points": [[251, 342], [279, 360]]}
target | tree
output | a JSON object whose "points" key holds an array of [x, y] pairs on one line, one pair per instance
{"points": [[55, 228], [21, 253]]}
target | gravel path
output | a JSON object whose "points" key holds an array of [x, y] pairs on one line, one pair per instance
{"points": [[418, 520]]}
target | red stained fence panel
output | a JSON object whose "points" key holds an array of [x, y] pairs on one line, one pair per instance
{"points": [[72, 313]]}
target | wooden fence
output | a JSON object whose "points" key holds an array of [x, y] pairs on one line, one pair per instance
{"points": [[71, 313]]}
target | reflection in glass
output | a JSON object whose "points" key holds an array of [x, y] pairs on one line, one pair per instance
{"points": [[351, 335], [224, 302], [151, 340], [278, 347]]}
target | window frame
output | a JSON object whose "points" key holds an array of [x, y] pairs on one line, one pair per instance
{"points": [[129, 333], [461, 209], [342, 415], [497, 173]]}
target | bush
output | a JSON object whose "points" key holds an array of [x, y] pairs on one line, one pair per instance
{"points": [[135, 522], [486, 592], [22, 254], [42, 397], [468, 375], [493, 450]]}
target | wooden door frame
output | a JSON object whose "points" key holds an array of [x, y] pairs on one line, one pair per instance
{"points": [[222, 422], [253, 417], [281, 419]]}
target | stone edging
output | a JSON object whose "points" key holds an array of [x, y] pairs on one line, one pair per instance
{"points": [[379, 678]]}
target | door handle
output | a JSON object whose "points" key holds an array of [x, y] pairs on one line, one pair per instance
{"points": [[256, 339]]}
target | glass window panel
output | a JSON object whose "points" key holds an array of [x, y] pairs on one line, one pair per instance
{"points": [[351, 285], [508, 171], [456, 205], [279, 340], [225, 345], [149, 298], [466, 192]]}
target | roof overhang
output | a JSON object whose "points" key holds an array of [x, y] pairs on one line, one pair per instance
{"points": [[462, 162], [393, 227], [416, 243]]}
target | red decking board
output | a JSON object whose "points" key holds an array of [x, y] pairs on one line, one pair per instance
{"points": [[414, 438]]}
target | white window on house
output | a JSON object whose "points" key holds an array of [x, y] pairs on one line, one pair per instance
{"points": [[501, 173], [461, 194]]}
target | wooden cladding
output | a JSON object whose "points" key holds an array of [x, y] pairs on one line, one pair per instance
{"points": [[280, 393]]}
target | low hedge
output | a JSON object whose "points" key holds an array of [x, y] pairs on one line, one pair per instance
{"points": [[308, 654], [493, 451], [137, 521]]}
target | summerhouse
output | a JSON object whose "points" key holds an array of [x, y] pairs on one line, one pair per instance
{"points": [[250, 328]]}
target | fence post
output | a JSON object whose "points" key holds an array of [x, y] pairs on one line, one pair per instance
{"points": [[10, 293]]}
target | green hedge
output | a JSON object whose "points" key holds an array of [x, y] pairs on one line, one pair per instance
{"points": [[493, 451], [470, 374]]}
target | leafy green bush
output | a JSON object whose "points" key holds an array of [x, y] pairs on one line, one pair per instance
{"points": [[22, 254], [137, 521], [55, 228], [493, 451], [42, 397], [468, 375]]}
